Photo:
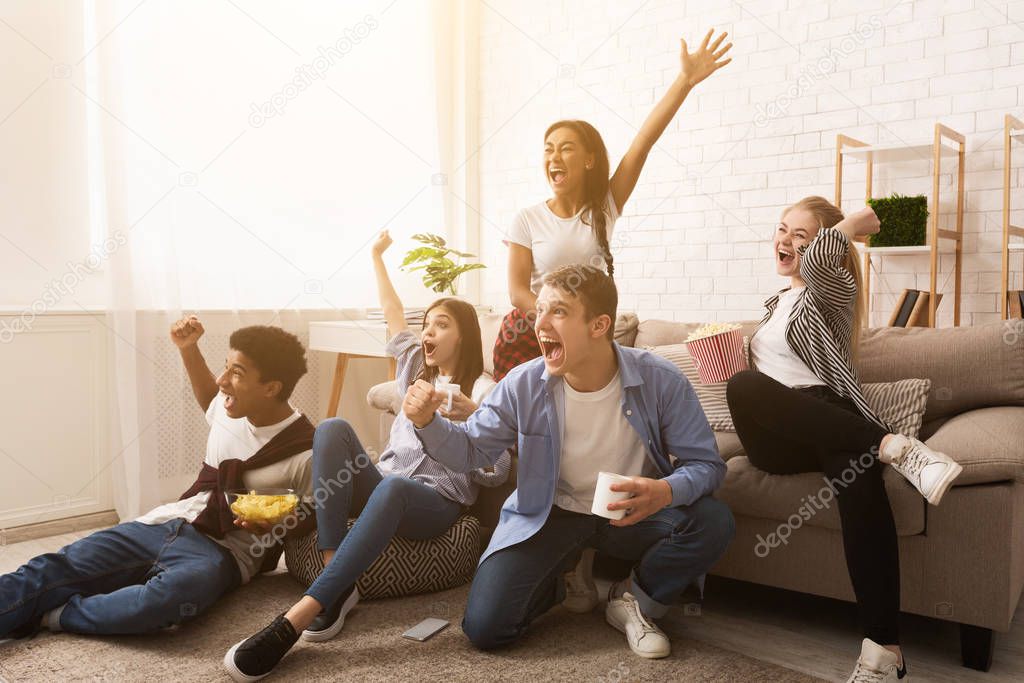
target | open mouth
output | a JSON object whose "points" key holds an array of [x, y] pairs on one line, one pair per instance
{"points": [[429, 348], [785, 257], [557, 175], [551, 347], [229, 401]]}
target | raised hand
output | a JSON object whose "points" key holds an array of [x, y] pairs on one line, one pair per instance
{"points": [[706, 60], [187, 331], [421, 402], [382, 243]]}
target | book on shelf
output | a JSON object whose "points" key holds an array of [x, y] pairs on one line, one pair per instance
{"points": [[912, 309], [1015, 304], [412, 315]]}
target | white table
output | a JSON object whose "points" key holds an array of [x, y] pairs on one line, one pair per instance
{"points": [[349, 339]]}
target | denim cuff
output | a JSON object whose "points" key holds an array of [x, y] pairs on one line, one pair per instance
{"points": [[648, 605]]}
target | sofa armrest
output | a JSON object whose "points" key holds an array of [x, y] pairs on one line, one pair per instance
{"points": [[988, 442], [384, 396]]}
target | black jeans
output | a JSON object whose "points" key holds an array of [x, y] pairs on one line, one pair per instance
{"points": [[813, 429]]}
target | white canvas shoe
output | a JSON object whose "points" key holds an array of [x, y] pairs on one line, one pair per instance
{"points": [[580, 590], [877, 665], [642, 634], [929, 471]]}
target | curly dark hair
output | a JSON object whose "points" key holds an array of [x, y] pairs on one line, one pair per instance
{"points": [[278, 355]]}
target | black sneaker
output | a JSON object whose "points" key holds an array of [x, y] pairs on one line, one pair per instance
{"points": [[255, 657], [329, 622]]}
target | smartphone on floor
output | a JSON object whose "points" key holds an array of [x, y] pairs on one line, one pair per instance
{"points": [[425, 629]]}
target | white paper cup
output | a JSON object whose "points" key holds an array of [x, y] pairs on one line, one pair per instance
{"points": [[603, 495], [450, 389]]}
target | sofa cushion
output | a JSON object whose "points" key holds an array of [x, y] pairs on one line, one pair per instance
{"points": [[729, 445], [711, 396], [970, 367], [901, 404], [406, 567], [987, 442], [384, 396], [794, 499]]}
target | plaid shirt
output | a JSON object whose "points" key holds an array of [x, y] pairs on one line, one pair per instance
{"points": [[516, 343]]}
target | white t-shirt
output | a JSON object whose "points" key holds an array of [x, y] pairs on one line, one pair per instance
{"points": [[237, 438], [556, 241], [597, 438], [771, 353]]}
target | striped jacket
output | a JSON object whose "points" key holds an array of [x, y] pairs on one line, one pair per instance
{"points": [[821, 324]]}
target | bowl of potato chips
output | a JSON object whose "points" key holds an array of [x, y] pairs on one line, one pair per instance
{"points": [[263, 506]]}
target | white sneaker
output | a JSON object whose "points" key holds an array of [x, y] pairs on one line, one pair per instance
{"points": [[643, 636], [580, 590], [929, 471], [877, 665]]}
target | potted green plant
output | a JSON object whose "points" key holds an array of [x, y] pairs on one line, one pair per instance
{"points": [[434, 258], [904, 221]]}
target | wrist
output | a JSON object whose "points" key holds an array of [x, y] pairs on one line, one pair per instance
{"points": [[666, 493], [425, 424]]}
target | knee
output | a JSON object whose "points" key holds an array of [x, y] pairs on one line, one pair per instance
{"points": [[717, 524], [333, 430], [485, 631]]}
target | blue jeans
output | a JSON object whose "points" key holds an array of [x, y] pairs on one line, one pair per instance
{"points": [[673, 549], [132, 578], [345, 482]]}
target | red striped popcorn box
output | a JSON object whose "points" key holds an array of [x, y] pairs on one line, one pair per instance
{"points": [[718, 356]]}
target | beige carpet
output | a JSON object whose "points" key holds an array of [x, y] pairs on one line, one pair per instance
{"points": [[560, 647]]}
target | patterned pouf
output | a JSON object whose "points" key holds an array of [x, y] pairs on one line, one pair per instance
{"points": [[405, 567]]}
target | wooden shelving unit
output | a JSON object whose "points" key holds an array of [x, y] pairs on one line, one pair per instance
{"points": [[1013, 130], [946, 143]]}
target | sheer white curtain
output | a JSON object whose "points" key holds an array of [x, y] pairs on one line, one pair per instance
{"points": [[245, 156]]}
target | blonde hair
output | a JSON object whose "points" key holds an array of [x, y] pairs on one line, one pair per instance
{"points": [[828, 215]]}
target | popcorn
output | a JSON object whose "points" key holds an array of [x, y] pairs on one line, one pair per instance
{"points": [[711, 329]]}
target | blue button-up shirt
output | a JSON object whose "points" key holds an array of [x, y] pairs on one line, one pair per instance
{"points": [[527, 407]]}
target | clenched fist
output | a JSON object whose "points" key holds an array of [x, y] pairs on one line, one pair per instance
{"points": [[421, 402], [186, 332]]}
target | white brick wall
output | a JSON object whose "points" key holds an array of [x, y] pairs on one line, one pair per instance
{"points": [[758, 135]]}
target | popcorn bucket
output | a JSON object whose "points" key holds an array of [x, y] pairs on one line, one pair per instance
{"points": [[718, 356]]}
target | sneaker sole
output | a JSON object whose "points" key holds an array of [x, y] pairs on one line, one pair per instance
{"points": [[339, 623], [940, 489], [640, 653], [234, 672]]}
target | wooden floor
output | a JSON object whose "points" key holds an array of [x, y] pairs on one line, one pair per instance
{"points": [[814, 635]]}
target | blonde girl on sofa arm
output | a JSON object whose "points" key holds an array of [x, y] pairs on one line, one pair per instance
{"points": [[801, 410]]}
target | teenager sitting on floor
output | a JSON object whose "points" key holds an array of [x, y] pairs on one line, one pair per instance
{"points": [[406, 494], [173, 563]]}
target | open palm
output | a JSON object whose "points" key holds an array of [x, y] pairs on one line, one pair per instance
{"points": [[706, 60]]}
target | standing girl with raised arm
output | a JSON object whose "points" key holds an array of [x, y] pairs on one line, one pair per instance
{"points": [[575, 225], [802, 410], [405, 494]]}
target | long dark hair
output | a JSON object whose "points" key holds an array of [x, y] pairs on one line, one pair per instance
{"points": [[595, 184], [470, 363]]}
